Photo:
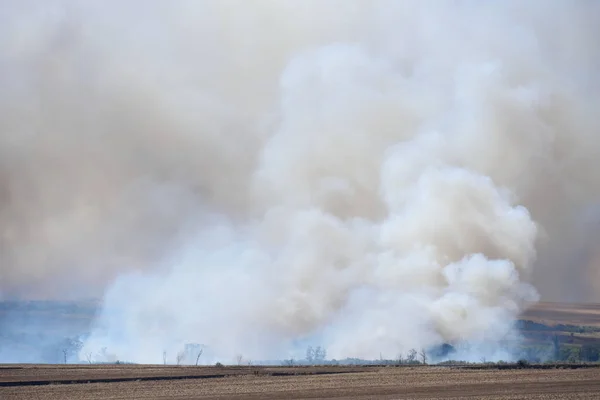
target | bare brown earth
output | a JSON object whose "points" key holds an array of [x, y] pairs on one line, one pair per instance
{"points": [[564, 313], [308, 383]]}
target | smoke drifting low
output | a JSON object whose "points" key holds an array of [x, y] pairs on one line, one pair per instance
{"points": [[372, 175]]}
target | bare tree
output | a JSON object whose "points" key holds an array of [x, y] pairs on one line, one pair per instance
{"points": [[399, 359], [310, 355], [164, 357], [289, 363], [239, 359], [198, 356], [412, 356], [70, 347], [179, 358], [88, 356], [319, 354], [423, 355]]}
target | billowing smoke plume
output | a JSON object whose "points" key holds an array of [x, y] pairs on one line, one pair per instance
{"points": [[372, 175]]}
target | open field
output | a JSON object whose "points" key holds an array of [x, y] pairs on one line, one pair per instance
{"points": [[158, 382], [573, 325], [576, 326], [564, 313]]}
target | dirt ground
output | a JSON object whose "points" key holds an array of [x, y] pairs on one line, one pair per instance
{"points": [[309, 383]]}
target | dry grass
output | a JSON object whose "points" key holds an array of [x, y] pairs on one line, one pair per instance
{"points": [[357, 383]]}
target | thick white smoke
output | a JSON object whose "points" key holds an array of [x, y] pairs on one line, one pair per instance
{"points": [[373, 176]]}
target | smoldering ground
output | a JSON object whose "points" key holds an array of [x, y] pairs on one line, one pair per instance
{"points": [[372, 175]]}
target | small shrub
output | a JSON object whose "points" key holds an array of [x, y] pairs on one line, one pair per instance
{"points": [[522, 363], [219, 365]]}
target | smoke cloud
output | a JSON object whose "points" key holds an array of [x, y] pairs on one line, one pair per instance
{"points": [[373, 175]]}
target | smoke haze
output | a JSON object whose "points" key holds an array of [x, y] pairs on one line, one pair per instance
{"points": [[372, 175]]}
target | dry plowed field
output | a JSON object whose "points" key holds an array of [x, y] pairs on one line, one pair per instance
{"points": [[564, 313], [158, 382]]}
